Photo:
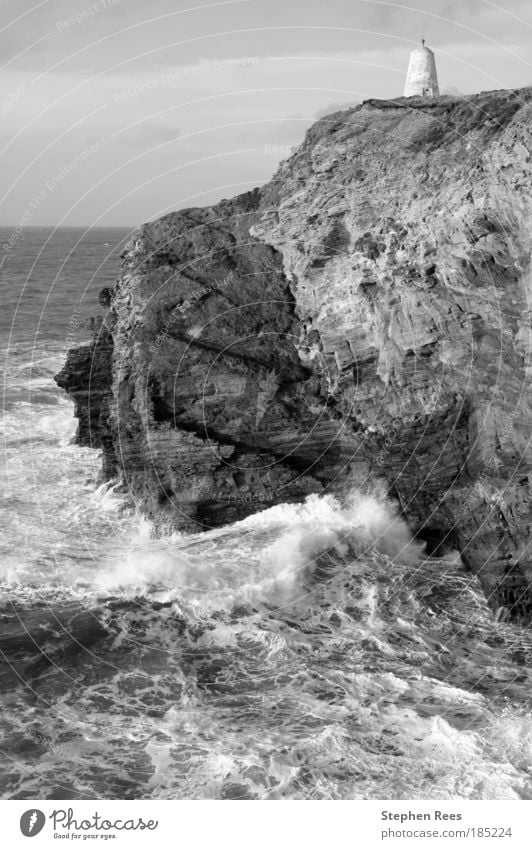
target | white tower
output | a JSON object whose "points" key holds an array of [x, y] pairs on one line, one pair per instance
{"points": [[422, 78]]}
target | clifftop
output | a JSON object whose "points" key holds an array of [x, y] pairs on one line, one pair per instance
{"points": [[364, 316]]}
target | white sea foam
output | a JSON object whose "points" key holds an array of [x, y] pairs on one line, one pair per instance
{"points": [[266, 557], [353, 668]]}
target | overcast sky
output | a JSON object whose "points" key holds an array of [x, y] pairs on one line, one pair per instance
{"points": [[173, 103]]}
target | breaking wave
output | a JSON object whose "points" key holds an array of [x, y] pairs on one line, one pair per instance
{"points": [[311, 651]]}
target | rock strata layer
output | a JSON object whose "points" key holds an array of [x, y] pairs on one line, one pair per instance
{"points": [[364, 316]]}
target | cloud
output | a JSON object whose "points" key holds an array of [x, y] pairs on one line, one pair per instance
{"points": [[216, 87], [148, 136], [335, 107]]}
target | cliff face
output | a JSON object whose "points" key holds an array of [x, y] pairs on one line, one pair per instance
{"points": [[365, 315]]}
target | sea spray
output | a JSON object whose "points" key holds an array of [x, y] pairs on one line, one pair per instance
{"points": [[284, 658], [309, 651], [293, 539]]}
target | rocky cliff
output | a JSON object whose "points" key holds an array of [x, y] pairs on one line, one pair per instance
{"points": [[364, 316]]}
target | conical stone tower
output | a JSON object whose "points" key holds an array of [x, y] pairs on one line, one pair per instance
{"points": [[422, 77]]}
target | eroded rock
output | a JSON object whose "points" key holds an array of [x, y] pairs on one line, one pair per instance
{"points": [[363, 316]]}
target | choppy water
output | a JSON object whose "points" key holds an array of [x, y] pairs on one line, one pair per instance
{"points": [[309, 652]]}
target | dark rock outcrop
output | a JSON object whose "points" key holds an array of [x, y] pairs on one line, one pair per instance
{"points": [[365, 315], [87, 376]]}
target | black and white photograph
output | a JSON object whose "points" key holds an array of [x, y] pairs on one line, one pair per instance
{"points": [[266, 347]]}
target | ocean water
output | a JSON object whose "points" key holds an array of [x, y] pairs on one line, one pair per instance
{"points": [[309, 652]]}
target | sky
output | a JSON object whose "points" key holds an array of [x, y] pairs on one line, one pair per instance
{"points": [[114, 112]]}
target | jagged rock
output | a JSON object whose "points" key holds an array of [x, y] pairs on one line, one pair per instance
{"points": [[87, 377], [365, 315]]}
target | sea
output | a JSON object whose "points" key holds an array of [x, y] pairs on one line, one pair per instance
{"points": [[311, 651]]}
